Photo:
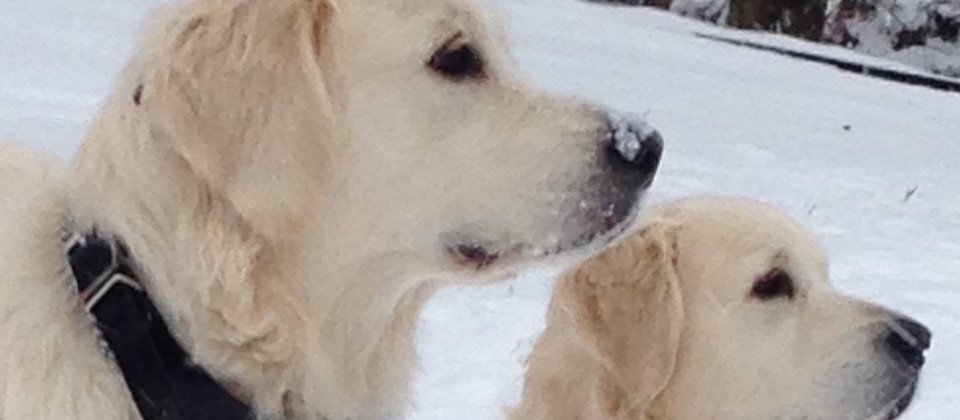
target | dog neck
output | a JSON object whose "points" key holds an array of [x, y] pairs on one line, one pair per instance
{"points": [[227, 280], [226, 290], [160, 376]]}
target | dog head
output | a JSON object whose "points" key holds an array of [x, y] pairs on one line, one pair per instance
{"points": [[403, 125], [452, 157], [398, 134], [762, 334]]}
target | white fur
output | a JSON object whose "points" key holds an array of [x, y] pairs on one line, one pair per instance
{"points": [[292, 182], [664, 327]]}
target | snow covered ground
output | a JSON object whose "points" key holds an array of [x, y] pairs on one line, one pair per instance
{"points": [[840, 152]]}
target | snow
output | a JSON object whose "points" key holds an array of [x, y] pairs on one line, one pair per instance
{"points": [[878, 35], [937, 55], [628, 134], [876, 32], [869, 166]]}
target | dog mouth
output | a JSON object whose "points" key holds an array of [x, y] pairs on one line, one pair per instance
{"points": [[476, 256], [901, 404], [482, 254], [898, 405]]}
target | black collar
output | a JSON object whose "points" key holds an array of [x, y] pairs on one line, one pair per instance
{"points": [[163, 381]]}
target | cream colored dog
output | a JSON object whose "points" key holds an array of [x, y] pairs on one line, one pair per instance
{"points": [[293, 179], [718, 309]]}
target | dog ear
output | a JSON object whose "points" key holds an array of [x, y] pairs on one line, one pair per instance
{"points": [[322, 12], [630, 311], [238, 92], [283, 159]]}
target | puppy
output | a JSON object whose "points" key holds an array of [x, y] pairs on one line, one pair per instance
{"points": [[718, 308]]}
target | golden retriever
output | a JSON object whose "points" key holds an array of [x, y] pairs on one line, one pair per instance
{"points": [[293, 178], [718, 309]]}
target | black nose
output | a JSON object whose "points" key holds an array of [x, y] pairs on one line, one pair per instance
{"points": [[908, 339], [633, 150]]}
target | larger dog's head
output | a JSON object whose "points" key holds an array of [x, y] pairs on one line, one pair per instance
{"points": [[399, 132], [452, 157], [731, 300], [403, 125]]}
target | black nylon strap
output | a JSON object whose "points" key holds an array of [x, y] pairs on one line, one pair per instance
{"points": [[163, 382]]}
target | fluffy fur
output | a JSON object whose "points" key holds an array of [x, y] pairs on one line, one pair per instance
{"points": [[294, 181], [52, 367], [667, 326]]}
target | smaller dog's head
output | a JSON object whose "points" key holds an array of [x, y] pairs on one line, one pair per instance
{"points": [[722, 309]]}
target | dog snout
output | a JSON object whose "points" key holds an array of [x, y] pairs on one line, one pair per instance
{"points": [[632, 149], [907, 339]]}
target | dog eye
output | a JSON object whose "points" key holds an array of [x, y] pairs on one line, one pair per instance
{"points": [[457, 62], [772, 285]]}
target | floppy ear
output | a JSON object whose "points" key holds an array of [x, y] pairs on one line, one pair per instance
{"points": [[630, 311], [236, 89]]}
